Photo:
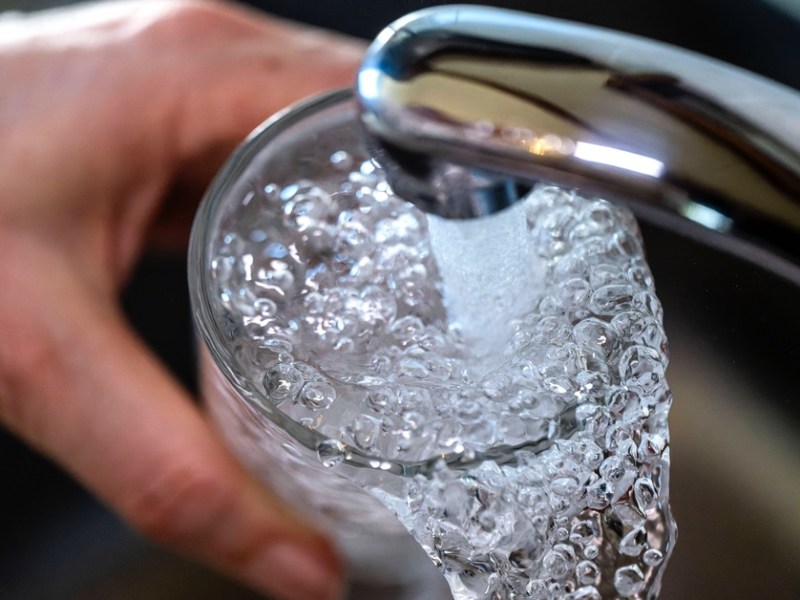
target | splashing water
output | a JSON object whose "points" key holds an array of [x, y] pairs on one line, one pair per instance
{"points": [[500, 382]]}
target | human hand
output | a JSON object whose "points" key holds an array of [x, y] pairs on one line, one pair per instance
{"points": [[105, 111]]}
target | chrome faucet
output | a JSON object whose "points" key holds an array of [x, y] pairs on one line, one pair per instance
{"points": [[466, 107]]}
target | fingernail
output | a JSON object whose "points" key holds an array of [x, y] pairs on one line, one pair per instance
{"points": [[295, 572]]}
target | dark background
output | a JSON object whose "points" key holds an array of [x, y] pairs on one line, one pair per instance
{"points": [[58, 543]]}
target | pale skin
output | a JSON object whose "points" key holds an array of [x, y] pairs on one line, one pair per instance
{"points": [[112, 120]]}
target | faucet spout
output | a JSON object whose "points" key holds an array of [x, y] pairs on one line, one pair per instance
{"points": [[466, 107]]}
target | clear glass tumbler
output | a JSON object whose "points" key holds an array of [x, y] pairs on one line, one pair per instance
{"points": [[497, 386]]}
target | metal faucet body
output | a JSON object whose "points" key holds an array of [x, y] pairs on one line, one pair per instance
{"points": [[466, 107]]}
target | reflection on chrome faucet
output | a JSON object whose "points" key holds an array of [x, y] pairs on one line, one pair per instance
{"points": [[464, 104]]}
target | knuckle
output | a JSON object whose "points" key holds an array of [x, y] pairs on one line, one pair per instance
{"points": [[184, 20], [182, 506], [27, 360]]}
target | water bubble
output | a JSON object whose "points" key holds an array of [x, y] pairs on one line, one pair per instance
{"points": [[574, 293], [627, 515], [611, 299], [365, 431], [382, 400], [614, 468], [591, 551], [633, 542], [647, 302], [438, 368], [598, 337], [552, 231], [277, 344], [317, 395], [306, 207], [536, 589], [405, 228], [265, 307], [342, 161], [645, 494], [653, 557], [585, 593], [275, 279], [587, 573], [293, 189], [651, 447], [558, 562], [564, 486], [599, 494], [272, 192], [583, 532], [617, 399], [283, 382], [494, 386], [639, 274], [376, 306], [626, 243], [331, 453], [412, 368], [629, 581], [407, 329], [642, 367], [604, 274]]}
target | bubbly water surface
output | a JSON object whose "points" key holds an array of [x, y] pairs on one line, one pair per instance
{"points": [[503, 378]]}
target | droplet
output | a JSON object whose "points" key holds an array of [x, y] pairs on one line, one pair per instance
{"points": [[331, 453]]}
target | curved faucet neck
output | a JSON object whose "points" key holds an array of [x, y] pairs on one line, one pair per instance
{"points": [[467, 106]]}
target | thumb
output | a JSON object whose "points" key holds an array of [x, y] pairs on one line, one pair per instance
{"points": [[79, 385]]}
